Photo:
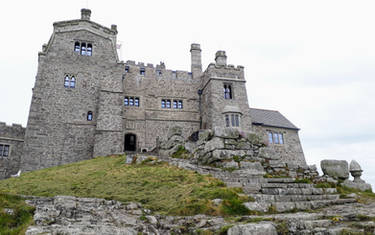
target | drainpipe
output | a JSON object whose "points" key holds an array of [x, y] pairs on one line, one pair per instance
{"points": [[200, 108]]}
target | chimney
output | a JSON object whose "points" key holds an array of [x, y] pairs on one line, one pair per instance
{"points": [[221, 58], [196, 60], [85, 14]]}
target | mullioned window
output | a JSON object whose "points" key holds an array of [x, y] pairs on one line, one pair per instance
{"points": [[69, 81], [83, 48]]}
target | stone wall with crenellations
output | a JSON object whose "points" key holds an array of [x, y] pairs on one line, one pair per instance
{"points": [[12, 136]]}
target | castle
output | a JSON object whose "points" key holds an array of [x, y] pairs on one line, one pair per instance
{"points": [[87, 103]]}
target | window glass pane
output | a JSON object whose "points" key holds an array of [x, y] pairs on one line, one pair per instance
{"points": [[1, 149], [142, 71], [136, 102], [237, 120], [66, 81], [89, 49], [126, 101], [73, 83], [169, 104], [89, 116], [83, 49], [270, 137], [6, 151], [281, 138], [275, 138], [131, 101], [175, 104], [180, 104], [227, 122], [233, 121], [163, 103], [229, 92], [127, 69], [77, 47]]}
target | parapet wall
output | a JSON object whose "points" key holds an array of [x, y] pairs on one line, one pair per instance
{"points": [[11, 137]]}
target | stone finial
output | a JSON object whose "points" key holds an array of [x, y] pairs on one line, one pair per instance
{"points": [[221, 58], [85, 14], [354, 166]]}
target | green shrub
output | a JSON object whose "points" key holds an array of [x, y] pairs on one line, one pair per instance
{"points": [[181, 153]]}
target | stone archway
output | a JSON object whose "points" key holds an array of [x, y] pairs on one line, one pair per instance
{"points": [[130, 143]]}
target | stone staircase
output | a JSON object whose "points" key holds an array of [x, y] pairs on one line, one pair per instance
{"points": [[286, 194], [270, 194]]}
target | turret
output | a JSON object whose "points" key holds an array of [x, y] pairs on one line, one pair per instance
{"points": [[85, 14]]}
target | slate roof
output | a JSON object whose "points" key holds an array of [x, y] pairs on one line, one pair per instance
{"points": [[270, 118]]}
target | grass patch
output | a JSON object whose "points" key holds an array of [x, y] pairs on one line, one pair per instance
{"points": [[162, 188], [325, 185], [181, 153], [18, 217]]}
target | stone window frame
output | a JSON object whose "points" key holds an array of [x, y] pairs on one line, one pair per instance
{"points": [[132, 101], [127, 68], [142, 71], [275, 137], [172, 104], [83, 48], [2, 149], [228, 91], [232, 120], [70, 81]]}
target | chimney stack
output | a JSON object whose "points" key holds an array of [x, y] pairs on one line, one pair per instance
{"points": [[85, 14], [221, 58], [196, 60]]}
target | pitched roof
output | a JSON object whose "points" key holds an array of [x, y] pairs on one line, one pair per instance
{"points": [[270, 118]]}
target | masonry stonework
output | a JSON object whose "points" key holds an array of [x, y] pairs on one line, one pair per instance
{"points": [[113, 106]]}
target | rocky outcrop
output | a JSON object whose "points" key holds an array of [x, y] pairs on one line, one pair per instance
{"points": [[254, 229], [229, 148], [337, 169], [359, 184], [70, 215]]}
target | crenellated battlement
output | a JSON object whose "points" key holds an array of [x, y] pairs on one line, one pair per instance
{"points": [[159, 71], [12, 131]]}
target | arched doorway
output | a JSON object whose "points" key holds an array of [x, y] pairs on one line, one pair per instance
{"points": [[130, 142]]}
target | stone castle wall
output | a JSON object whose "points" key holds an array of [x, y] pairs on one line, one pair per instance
{"points": [[14, 137], [58, 131]]}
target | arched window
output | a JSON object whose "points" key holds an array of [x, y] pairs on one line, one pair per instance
{"points": [[66, 81], [89, 116], [83, 48], [89, 49], [73, 82], [77, 47]]}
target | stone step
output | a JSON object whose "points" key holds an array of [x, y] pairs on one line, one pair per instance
{"points": [[291, 206], [287, 185], [293, 198], [297, 191], [280, 180]]}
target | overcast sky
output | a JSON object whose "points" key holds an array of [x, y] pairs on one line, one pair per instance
{"points": [[314, 61]]}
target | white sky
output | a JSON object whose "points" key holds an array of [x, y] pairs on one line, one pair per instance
{"points": [[314, 61]]}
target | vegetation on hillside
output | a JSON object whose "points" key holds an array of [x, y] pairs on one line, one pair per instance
{"points": [[162, 188], [15, 215]]}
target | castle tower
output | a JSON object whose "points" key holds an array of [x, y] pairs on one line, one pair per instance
{"points": [[224, 97], [77, 96]]}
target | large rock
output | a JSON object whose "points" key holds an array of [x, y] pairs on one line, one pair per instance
{"points": [[337, 169], [362, 186], [225, 132], [253, 229], [176, 130], [354, 166]]}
